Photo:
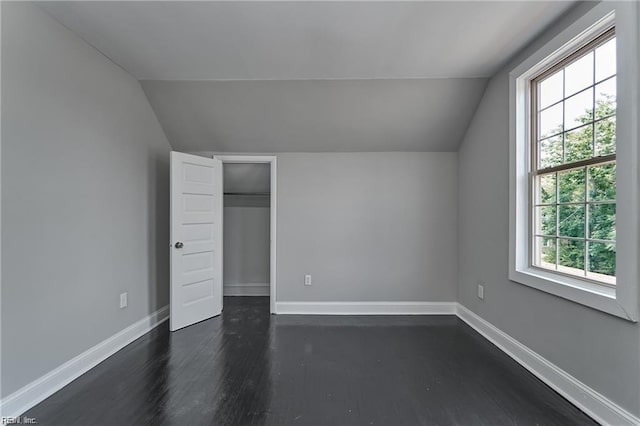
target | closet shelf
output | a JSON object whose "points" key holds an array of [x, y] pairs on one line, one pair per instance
{"points": [[251, 194]]}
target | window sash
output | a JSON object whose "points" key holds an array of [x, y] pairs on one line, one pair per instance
{"points": [[536, 171], [592, 45]]}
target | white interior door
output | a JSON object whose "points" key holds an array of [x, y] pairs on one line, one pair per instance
{"points": [[196, 239]]}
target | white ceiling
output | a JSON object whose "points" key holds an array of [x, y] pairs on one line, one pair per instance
{"points": [[312, 76], [178, 40]]}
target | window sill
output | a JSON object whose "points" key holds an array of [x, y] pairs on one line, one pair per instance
{"points": [[583, 292]]}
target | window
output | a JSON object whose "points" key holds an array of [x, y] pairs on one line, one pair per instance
{"points": [[573, 178], [574, 149]]}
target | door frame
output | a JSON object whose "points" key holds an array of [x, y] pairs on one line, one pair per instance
{"points": [[271, 160]]}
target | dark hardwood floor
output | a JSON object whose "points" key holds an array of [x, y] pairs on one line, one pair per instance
{"points": [[247, 367]]}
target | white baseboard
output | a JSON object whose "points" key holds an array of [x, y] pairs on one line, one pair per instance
{"points": [[366, 308], [249, 289], [38, 390], [588, 400]]}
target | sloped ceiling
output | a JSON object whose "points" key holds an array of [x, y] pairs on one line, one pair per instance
{"points": [[315, 115], [310, 75]]}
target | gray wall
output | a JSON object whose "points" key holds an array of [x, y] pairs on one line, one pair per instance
{"points": [[601, 350], [367, 226], [84, 197], [247, 177]]}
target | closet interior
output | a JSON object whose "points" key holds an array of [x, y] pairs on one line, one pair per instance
{"points": [[246, 230]]}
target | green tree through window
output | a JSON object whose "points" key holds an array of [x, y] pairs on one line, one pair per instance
{"points": [[571, 187], [574, 164]]}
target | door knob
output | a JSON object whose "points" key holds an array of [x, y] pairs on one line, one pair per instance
{"points": [[179, 245]]}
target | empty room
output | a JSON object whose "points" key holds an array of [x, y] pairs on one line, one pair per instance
{"points": [[320, 213]]}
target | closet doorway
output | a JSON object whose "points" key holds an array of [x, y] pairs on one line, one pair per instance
{"points": [[249, 224]]}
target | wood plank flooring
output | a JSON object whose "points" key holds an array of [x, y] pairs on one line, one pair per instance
{"points": [[247, 367]]}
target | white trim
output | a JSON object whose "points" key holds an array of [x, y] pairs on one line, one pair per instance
{"points": [[366, 308], [272, 160], [623, 301], [588, 400], [40, 389], [247, 289]]}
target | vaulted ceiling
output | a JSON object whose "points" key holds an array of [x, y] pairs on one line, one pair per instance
{"points": [[315, 115], [272, 76]]}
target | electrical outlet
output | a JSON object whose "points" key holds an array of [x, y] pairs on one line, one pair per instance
{"points": [[481, 291], [307, 280], [123, 300]]}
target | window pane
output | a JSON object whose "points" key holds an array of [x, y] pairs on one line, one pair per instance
{"points": [[602, 258], [602, 182], [545, 252], [602, 221], [606, 60], [571, 186], [578, 144], [606, 136], [550, 152], [546, 220], [571, 221], [546, 189], [574, 211], [578, 109], [606, 98], [578, 75], [550, 121], [570, 256], [550, 90]]}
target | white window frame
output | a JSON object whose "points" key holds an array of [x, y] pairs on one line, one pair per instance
{"points": [[621, 301]]}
